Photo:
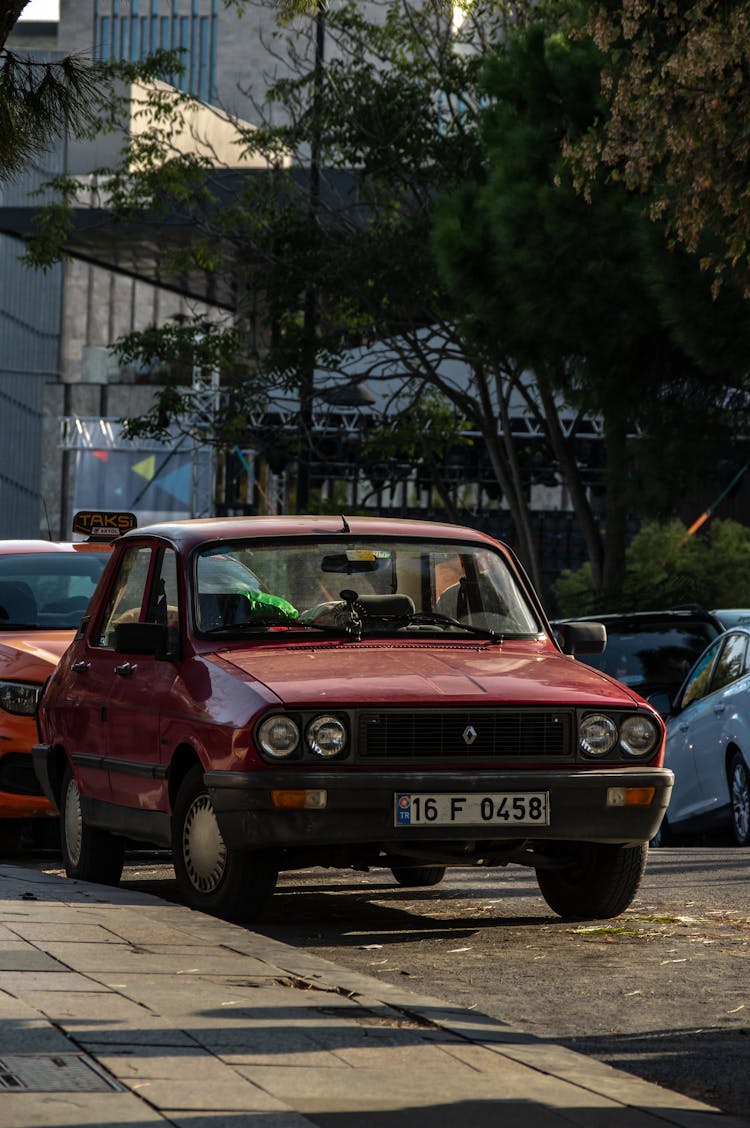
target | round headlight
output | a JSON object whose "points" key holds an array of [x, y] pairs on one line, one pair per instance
{"points": [[278, 737], [326, 736], [639, 735], [598, 734]]}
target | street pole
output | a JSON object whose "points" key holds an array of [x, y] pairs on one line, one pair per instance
{"points": [[310, 313]]}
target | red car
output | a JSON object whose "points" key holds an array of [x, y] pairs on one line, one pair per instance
{"points": [[277, 693], [45, 587]]}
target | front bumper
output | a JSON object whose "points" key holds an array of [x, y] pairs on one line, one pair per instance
{"points": [[360, 807]]}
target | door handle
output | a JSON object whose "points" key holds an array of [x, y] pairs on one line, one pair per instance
{"points": [[80, 667], [126, 669]]}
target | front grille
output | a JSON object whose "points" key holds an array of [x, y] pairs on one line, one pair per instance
{"points": [[17, 775], [398, 735]]}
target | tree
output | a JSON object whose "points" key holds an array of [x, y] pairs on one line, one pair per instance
{"points": [[677, 80], [566, 284], [411, 122], [666, 567], [39, 101]]}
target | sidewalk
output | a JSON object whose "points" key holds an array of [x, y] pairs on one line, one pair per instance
{"points": [[117, 1008]]}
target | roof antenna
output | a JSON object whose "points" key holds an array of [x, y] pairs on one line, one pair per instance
{"points": [[345, 524], [46, 517]]}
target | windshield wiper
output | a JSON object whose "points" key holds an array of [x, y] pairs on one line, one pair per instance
{"points": [[448, 621], [261, 626], [249, 626]]}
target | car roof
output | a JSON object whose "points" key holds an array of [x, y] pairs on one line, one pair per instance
{"points": [[188, 534], [19, 547]]}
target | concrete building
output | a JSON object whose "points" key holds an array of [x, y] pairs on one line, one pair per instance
{"points": [[61, 388]]}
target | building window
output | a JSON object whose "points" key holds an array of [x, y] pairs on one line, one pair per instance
{"points": [[130, 30]]}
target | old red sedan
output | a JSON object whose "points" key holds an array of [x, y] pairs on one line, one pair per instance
{"points": [[278, 693]]}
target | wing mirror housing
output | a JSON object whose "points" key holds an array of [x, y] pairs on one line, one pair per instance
{"points": [[582, 638], [154, 639]]}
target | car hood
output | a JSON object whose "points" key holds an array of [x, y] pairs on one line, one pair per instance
{"points": [[365, 673], [40, 650]]}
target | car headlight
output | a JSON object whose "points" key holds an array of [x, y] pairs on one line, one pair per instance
{"points": [[326, 737], [598, 734], [639, 735], [20, 697], [278, 737]]}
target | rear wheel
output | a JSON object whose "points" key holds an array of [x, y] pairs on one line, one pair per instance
{"points": [[739, 790], [213, 877], [600, 882], [89, 853], [418, 876]]}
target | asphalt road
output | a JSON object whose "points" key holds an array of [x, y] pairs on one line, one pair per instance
{"points": [[662, 991]]}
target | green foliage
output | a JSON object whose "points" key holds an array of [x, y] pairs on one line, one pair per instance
{"points": [[40, 102], [664, 567]]}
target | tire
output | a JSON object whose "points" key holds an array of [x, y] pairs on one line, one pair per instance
{"points": [[212, 877], [89, 853], [601, 882], [739, 792], [417, 877]]}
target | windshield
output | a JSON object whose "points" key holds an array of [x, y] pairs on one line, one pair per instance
{"points": [[47, 590], [361, 585]]}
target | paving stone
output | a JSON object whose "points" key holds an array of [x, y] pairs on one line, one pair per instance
{"points": [[74, 1110], [238, 1094], [22, 983], [25, 958], [172, 960]]}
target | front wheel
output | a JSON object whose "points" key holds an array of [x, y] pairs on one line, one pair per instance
{"points": [[418, 877], [213, 877], [739, 788], [600, 881], [88, 852]]}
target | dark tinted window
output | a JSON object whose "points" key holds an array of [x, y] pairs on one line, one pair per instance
{"points": [[47, 590], [732, 662], [652, 654]]}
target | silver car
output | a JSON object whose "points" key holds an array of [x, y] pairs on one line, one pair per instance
{"points": [[708, 742]]}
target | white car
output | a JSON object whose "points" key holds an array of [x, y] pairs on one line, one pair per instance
{"points": [[708, 742]]}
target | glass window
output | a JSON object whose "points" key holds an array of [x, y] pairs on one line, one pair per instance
{"points": [[391, 584], [48, 589], [731, 663], [697, 685], [126, 600], [649, 655]]}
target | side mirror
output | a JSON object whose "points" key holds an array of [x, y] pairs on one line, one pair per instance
{"points": [[582, 638], [142, 638]]}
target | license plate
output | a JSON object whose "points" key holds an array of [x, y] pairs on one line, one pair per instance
{"points": [[511, 808]]}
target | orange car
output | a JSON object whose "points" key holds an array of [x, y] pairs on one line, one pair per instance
{"points": [[44, 591]]}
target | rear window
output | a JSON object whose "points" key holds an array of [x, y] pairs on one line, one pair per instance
{"points": [[654, 654]]}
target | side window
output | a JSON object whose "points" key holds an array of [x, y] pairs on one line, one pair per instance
{"points": [[697, 685], [162, 605], [126, 599], [731, 664]]}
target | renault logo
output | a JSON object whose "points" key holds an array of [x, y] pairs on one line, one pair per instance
{"points": [[469, 734]]}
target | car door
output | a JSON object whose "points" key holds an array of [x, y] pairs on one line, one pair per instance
{"points": [[688, 721], [722, 720], [141, 686]]}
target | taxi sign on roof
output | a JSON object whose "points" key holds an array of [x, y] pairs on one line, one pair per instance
{"points": [[104, 524]]}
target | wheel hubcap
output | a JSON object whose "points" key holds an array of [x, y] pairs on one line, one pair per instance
{"points": [[73, 822], [741, 801], [203, 848]]}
